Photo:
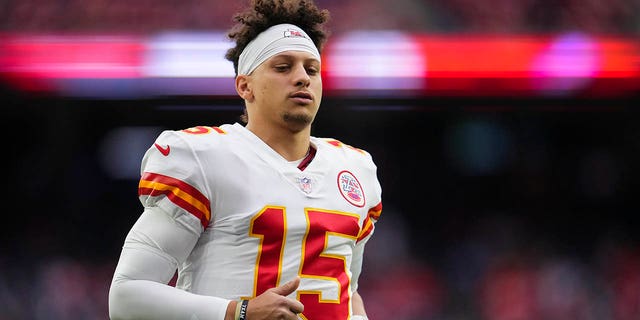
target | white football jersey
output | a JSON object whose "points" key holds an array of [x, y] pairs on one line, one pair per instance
{"points": [[263, 221]]}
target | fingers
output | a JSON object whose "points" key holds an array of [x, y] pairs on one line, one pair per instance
{"points": [[296, 307], [275, 303], [287, 288]]}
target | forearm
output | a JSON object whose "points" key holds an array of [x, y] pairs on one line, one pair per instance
{"points": [[144, 299], [358, 305], [152, 250]]}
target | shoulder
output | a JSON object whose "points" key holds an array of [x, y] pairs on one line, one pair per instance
{"points": [[196, 133], [193, 138], [337, 145], [182, 146], [341, 149]]}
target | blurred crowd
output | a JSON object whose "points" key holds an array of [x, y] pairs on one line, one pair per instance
{"points": [[484, 276], [430, 16]]}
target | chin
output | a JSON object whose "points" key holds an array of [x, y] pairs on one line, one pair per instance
{"points": [[297, 122], [301, 118]]}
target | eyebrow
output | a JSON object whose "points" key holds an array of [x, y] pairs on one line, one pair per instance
{"points": [[292, 56]]}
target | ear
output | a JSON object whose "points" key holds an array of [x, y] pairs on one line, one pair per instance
{"points": [[243, 88]]}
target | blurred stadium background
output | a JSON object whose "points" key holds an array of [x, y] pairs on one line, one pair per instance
{"points": [[506, 135]]}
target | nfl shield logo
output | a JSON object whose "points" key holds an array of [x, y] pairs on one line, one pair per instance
{"points": [[305, 184]]}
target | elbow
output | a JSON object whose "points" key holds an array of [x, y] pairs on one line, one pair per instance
{"points": [[117, 299]]}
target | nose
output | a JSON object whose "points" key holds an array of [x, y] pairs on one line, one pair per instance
{"points": [[301, 76]]}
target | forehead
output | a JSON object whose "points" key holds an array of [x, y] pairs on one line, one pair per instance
{"points": [[295, 55]]}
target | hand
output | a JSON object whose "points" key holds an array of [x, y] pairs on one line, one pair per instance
{"points": [[273, 304]]}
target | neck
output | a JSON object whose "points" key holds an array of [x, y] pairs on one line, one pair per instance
{"points": [[290, 145]]}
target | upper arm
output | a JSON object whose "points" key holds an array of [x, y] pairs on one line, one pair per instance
{"points": [[154, 247]]}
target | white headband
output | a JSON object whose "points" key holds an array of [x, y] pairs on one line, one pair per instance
{"points": [[276, 39]]}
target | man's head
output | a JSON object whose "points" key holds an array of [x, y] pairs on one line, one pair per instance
{"points": [[277, 60]]}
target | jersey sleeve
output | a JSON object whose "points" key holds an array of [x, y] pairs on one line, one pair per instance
{"points": [[176, 211], [374, 203], [172, 179]]}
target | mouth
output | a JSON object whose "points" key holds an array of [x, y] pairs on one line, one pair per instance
{"points": [[302, 97]]}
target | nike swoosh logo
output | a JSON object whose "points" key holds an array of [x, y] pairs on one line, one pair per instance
{"points": [[164, 151]]}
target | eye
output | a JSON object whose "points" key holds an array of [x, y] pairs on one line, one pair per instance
{"points": [[281, 67]]}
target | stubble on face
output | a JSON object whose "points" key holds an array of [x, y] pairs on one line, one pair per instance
{"points": [[296, 121]]}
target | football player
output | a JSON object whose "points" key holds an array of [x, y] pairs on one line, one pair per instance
{"points": [[260, 219]]}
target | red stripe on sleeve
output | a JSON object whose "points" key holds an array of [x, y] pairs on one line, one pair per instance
{"points": [[177, 191], [367, 226]]}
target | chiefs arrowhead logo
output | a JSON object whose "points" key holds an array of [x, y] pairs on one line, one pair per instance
{"points": [[350, 188]]}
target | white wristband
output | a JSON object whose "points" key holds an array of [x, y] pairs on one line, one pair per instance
{"points": [[359, 317]]}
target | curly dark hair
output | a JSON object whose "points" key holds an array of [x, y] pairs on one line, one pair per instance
{"points": [[263, 14]]}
